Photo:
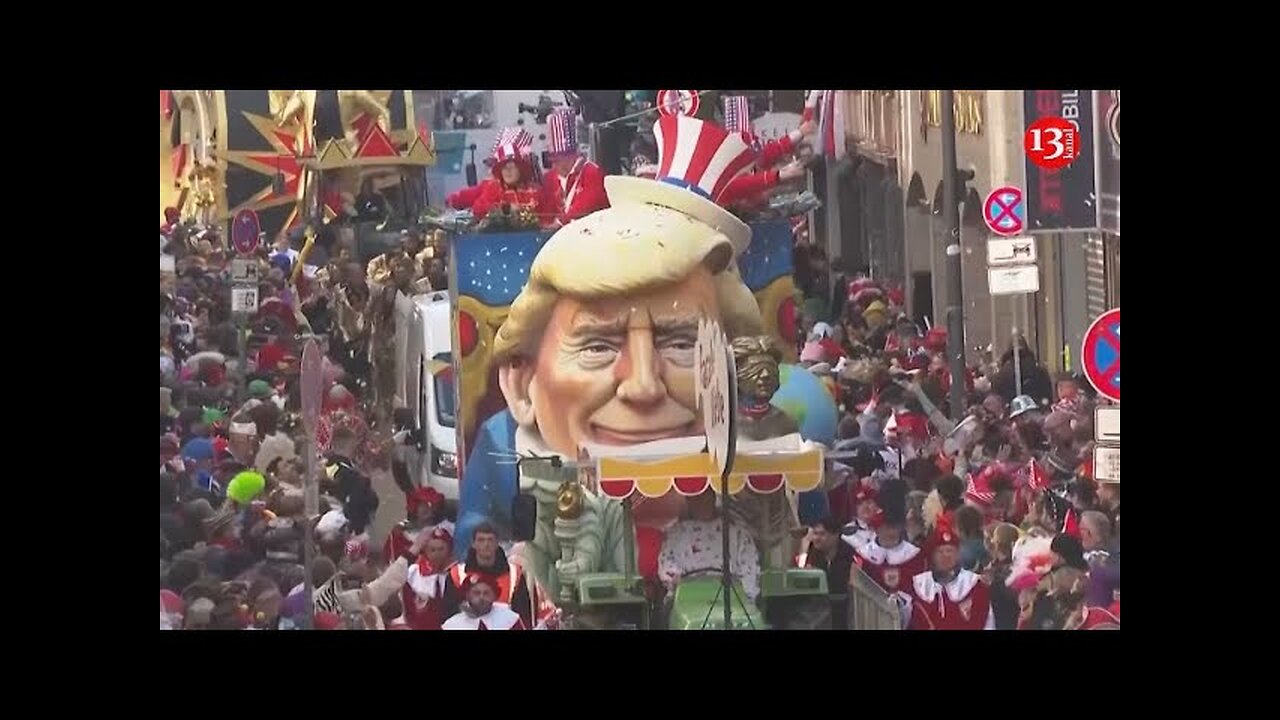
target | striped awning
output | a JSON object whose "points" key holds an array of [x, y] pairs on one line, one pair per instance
{"points": [[691, 474]]}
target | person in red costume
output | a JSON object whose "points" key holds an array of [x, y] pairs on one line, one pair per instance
{"points": [[425, 583], [949, 597], [465, 198], [514, 183], [424, 505], [749, 189], [889, 559], [575, 183]]}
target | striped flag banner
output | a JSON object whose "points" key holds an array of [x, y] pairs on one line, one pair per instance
{"points": [[831, 123], [737, 114]]}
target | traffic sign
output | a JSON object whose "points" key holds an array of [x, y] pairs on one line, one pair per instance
{"points": [[1011, 251], [1102, 354], [1052, 142], [1005, 212], [312, 386], [683, 102], [244, 300], [1106, 424], [245, 231], [1013, 280], [1106, 464], [244, 270]]}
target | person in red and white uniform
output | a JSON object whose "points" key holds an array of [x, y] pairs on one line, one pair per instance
{"points": [[486, 558], [949, 597], [424, 505], [515, 182], [749, 189], [575, 183], [481, 611], [424, 602], [889, 559], [861, 530], [466, 198]]}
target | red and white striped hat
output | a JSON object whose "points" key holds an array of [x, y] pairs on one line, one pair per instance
{"points": [[562, 132], [512, 143], [696, 161], [737, 115]]}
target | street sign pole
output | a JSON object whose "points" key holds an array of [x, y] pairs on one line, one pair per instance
{"points": [[1017, 361], [951, 219], [311, 381]]}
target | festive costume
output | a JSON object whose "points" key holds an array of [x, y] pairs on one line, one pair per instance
{"points": [[507, 579], [499, 617], [424, 590], [465, 198], [749, 188], [581, 191], [958, 602], [526, 195], [892, 568], [692, 545]]}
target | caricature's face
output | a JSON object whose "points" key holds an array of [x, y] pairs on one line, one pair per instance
{"points": [[619, 371], [510, 173]]}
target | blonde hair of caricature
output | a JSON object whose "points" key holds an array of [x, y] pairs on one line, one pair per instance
{"points": [[625, 250]]}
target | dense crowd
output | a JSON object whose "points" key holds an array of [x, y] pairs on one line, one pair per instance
{"points": [[1005, 498]]}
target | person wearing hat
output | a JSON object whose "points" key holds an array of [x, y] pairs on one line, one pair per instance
{"points": [[750, 189], [948, 597], [889, 559], [575, 184], [861, 530], [480, 611], [424, 590], [423, 506], [488, 559], [515, 187]]}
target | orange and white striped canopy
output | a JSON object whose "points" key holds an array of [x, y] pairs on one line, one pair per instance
{"points": [[691, 474]]}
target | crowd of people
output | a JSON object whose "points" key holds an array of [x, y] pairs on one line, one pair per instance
{"points": [[995, 521]]}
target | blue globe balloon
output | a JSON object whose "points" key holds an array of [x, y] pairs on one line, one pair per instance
{"points": [[802, 396]]}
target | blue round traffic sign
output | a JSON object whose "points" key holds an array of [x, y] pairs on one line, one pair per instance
{"points": [[245, 231], [1005, 211], [1102, 354]]}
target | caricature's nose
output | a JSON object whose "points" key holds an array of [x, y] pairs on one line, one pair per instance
{"points": [[641, 381]]}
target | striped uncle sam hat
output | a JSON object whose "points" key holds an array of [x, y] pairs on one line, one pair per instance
{"points": [[510, 144], [696, 162], [562, 132]]}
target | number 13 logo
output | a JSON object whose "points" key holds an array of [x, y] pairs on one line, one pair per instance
{"points": [[1051, 142]]}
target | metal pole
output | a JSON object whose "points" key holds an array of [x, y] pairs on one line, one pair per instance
{"points": [[1017, 361], [311, 496], [726, 577], [955, 293]]}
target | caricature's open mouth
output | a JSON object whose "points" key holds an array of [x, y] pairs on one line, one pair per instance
{"points": [[608, 436]]}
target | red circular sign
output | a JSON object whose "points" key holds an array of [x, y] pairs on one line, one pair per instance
{"points": [[1101, 355], [682, 102], [1052, 142], [1004, 212], [245, 231]]}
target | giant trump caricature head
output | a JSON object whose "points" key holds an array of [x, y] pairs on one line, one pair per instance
{"points": [[598, 347]]}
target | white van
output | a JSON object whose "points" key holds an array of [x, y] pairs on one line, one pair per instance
{"points": [[427, 379]]}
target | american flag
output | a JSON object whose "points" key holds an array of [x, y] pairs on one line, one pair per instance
{"points": [[514, 136], [563, 136], [737, 114], [831, 123]]}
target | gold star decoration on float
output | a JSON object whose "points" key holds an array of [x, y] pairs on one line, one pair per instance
{"points": [[288, 146]]}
